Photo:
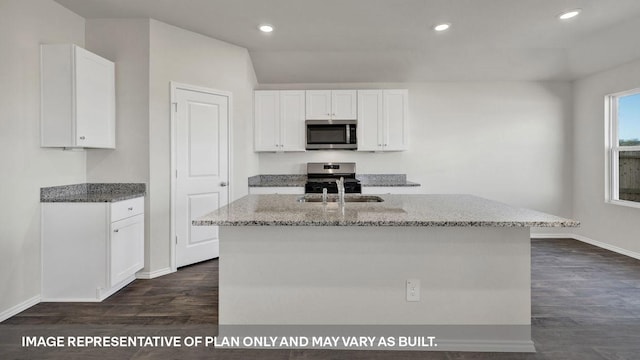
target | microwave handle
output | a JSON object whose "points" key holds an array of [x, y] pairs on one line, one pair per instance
{"points": [[348, 134]]}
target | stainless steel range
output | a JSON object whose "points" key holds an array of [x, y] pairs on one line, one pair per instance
{"points": [[324, 175]]}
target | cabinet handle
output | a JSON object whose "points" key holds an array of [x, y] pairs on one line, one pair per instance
{"points": [[223, 184], [116, 230], [131, 209], [82, 137]]}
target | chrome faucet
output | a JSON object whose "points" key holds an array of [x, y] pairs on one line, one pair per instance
{"points": [[340, 184]]}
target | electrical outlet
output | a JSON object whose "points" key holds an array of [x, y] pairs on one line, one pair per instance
{"points": [[413, 290]]}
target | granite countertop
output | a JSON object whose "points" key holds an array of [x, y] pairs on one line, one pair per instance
{"points": [[92, 192], [277, 181], [395, 210], [393, 180], [297, 180]]}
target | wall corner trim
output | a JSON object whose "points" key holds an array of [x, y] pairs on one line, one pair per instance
{"points": [[154, 274], [15, 310]]}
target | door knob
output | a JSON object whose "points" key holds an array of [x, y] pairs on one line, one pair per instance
{"points": [[223, 184]]}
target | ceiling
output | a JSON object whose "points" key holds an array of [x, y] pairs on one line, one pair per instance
{"points": [[333, 41]]}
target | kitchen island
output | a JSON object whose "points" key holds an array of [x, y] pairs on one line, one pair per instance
{"points": [[287, 262]]}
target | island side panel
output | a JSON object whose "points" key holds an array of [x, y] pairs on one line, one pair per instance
{"points": [[357, 275]]}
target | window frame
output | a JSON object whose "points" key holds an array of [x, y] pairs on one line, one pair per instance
{"points": [[613, 149]]}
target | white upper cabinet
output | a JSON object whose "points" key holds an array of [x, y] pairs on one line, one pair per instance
{"points": [[344, 104], [77, 98], [266, 120], [395, 120], [369, 120], [292, 127], [383, 120], [331, 104], [318, 104], [279, 120]]}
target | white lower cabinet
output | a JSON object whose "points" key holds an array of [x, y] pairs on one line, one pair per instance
{"points": [[90, 250], [126, 251]]}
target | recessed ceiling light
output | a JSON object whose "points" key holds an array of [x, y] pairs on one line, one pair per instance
{"points": [[569, 14], [442, 27], [266, 28]]}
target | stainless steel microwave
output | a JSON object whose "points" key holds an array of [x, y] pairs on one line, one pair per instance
{"points": [[331, 134]]}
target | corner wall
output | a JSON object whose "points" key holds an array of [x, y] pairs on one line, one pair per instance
{"points": [[613, 225], [186, 57], [25, 167], [125, 42]]}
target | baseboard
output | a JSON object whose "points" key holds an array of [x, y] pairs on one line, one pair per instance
{"points": [[70, 300], [589, 241], [153, 274], [101, 294], [520, 346], [553, 236], [15, 310], [606, 246]]}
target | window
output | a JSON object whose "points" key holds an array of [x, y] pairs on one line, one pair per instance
{"points": [[624, 149]]}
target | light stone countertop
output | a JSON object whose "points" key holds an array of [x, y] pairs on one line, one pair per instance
{"points": [[297, 180], [92, 192], [396, 210]]}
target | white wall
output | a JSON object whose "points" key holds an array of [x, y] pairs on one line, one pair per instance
{"points": [[186, 57], [25, 167], [508, 141], [125, 42], [611, 224]]}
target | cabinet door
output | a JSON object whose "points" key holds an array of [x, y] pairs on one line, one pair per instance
{"points": [[126, 255], [318, 104], [396, 119], [344, 104], [95, 100], [292, 128], [369, 120], [267, 121]]}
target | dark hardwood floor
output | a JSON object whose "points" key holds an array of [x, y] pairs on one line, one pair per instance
{"points": [[585, 305]]}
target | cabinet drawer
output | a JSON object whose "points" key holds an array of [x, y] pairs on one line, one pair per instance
{"points": [[127, 208]]}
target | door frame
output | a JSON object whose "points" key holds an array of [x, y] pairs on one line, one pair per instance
{"points": [[175, 86]]}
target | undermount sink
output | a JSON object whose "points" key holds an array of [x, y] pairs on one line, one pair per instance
{"points": [[347, 198]]}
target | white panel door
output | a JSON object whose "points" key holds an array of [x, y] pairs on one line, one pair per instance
{"points": [[344, 105], [318, 104], [369, 120], [202, 171]]}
